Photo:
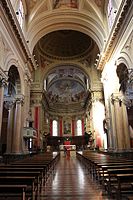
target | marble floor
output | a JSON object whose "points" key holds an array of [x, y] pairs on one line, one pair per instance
{"points": [[71, 182]]}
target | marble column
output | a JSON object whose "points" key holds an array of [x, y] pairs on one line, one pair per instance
{"points": [[120, 123], [61, 126], [1, 106], [73, 127], [17, 133], [83, 126], [26, 110], [10, 106], [1, 102], [3, 83], [126, 127], [26, 106], [51, 127], [112, 136]]}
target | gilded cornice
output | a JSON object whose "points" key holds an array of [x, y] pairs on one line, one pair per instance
{"points": [[19, 36], [116, 32]]}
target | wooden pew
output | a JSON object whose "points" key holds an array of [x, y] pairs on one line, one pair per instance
{"points": [[34, 165], [29, 170], [95, 164], [19, 173], [13, 191], [102, 168], [21, 180], [111, 181]]}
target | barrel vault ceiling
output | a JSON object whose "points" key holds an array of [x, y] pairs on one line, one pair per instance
{"points": [[67, 85]]}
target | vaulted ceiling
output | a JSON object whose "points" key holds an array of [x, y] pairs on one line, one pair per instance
{"points": [[65, 33]]}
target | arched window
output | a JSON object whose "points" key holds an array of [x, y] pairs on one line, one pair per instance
{"points": [[111, 13], [55, 128], [79, 127]]}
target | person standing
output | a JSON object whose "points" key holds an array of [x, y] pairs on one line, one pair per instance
{"points": [[65, 151]]}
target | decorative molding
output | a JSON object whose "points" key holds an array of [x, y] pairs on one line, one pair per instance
{"points": [[27, 75], [116, 97], [6, 8], [120, 22], [129, 43], [3, 78], [19, 99], [97, 95], [9, 102]]}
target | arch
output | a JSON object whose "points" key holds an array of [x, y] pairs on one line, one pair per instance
{"points": [[43, 25], [124, 58], [13, 81], [76, 65], [122, 73], [11, 61]]}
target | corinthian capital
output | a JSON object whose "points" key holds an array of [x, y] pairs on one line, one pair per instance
{"points": [[9, 103], [19, 98]]}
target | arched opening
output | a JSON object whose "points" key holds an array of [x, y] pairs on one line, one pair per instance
{"points": [[126, 87], [11, 90], [122, 73]]}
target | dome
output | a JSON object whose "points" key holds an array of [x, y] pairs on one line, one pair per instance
{"points": [[65, 44]]}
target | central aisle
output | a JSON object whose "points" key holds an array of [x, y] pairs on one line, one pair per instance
{"points": [[71, 182]]}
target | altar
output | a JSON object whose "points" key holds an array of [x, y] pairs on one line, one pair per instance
{"points": [[69, 147]]}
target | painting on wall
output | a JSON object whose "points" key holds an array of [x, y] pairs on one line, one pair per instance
{"points": [[67, 127], [66, 91], [65, 3]]}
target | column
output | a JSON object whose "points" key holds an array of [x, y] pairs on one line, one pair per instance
{"points": [[51, 126], [2, 84], [1, 111], [36, 125], [10, 106], [73, 127], [17, 134], [126, 127], [120, 123], [110, 137], [83, 126], [27, 99], [98, 115], [61, 133]]}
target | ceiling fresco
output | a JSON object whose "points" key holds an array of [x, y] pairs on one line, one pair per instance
{"points": [[65, 3], [66, 91], [66, 71], [67, 85]]}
